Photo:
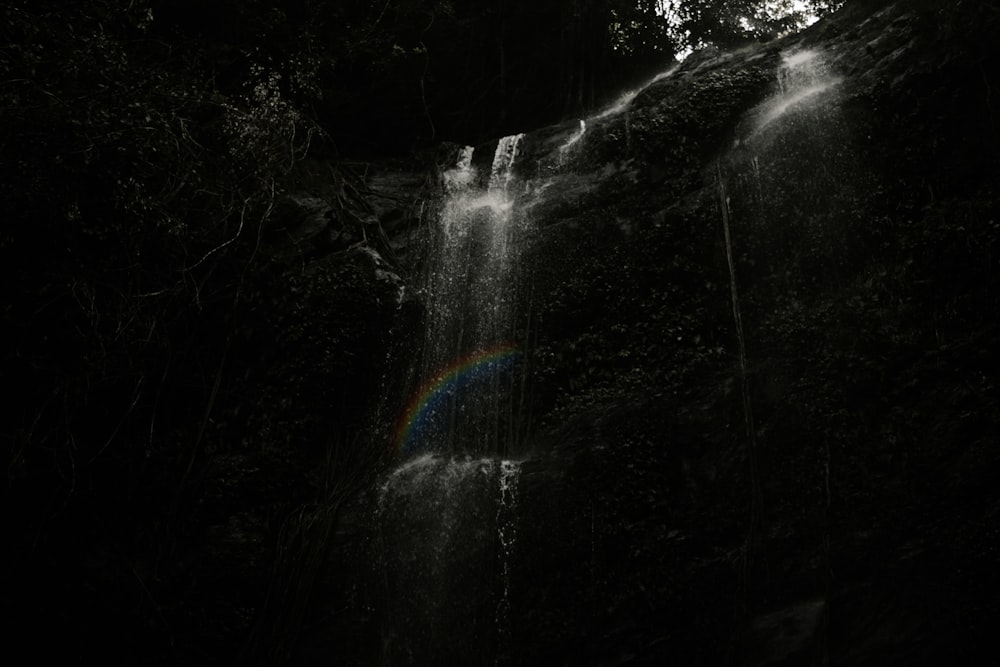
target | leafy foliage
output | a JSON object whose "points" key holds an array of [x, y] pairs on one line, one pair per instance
{"points": [[145, 175]]}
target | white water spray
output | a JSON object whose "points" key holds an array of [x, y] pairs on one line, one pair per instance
{"points": [[443, 522], [471, 290], [510, 472], [450, 514], [502, 171], [802, 79], [564, 151], [570, 143], [625, 99]]}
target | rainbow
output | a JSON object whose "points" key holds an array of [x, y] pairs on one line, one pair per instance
{"points": [[456, 376]]}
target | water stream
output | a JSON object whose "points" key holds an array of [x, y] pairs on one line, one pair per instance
{"points": [[790, 177], [448, 514], [784, 194], [462, 404], [447, 530], [619, 106]]}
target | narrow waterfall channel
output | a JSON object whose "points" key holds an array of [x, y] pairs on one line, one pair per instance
{"points": [[447, 533], [793, 128], [462, 406], [447, 516], [785, 191], [795, 136]]}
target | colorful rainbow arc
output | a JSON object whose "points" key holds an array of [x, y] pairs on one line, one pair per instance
{"points": [[457, 375]]}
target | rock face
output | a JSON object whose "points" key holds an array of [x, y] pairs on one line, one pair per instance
{"points": [[757, 423], [854, 167], [764, 409]]}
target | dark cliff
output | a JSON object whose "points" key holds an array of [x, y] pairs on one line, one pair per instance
{"points": [[763, 305]]}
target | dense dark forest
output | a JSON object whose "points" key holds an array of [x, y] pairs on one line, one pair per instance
{"points": [[755, 420]]}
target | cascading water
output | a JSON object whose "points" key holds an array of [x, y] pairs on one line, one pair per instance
{"points": [[620, 105], [507, 532], [802, 77], [795, 133], [625, 99], [447, 527], [756, 498], [791, 240], [447, 515], [471, 288], [573, 140]]}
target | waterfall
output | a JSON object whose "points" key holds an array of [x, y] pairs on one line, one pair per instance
{"points": [[502, 171], [447, 533], [507, 533], [787, 244], [625, 99], [796, 133], [565, 146], [802, 77], [464, 402], [447, 530], [447, 516], [573, 140], [620, 105], [756, 497]]}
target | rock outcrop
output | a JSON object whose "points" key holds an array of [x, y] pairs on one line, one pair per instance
{"points": [[765, 310]]}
